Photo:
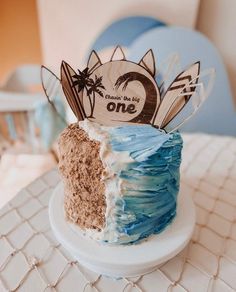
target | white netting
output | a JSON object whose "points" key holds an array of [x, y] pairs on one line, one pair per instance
{"points": [[32, 260]]}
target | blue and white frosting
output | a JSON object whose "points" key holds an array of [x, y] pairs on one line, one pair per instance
{"points": [[141, 179]]}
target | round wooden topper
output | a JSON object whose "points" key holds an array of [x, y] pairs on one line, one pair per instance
{"points": [[120, 91]]}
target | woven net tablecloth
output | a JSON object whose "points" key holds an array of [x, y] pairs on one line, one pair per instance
{"points": [[31, 259]]}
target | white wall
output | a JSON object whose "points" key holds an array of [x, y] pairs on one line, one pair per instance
{"points": [[68, 27], [217, 20]]}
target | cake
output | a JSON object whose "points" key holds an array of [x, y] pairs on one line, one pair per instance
{"points": [[121, 183], [120, 161]]}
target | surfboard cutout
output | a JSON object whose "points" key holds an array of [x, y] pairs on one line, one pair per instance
{"points": [[71, 90], [202, 85], [173, 101], [52, 88]]}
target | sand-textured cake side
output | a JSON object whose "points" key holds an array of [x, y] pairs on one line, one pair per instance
{"points": [[81, 169]]}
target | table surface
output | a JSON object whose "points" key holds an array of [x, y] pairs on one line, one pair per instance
{"points": [[31, 259]]}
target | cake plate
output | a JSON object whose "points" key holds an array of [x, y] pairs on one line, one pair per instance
{"points": [[123, 261]]}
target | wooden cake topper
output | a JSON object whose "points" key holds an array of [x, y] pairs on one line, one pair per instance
{"points": [[121, 91]]}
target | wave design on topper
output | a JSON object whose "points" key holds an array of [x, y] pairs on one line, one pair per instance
{"points": [[121, 91]]}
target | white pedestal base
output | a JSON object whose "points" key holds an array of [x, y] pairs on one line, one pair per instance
{"points": [[123, 261]]}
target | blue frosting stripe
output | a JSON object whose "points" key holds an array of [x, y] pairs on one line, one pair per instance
{"points": [[150, 183]]}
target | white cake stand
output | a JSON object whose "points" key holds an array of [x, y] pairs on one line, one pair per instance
{"points": [[123, 261]]}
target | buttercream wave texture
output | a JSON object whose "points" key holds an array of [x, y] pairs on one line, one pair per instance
{"points": [[150, 183]]}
